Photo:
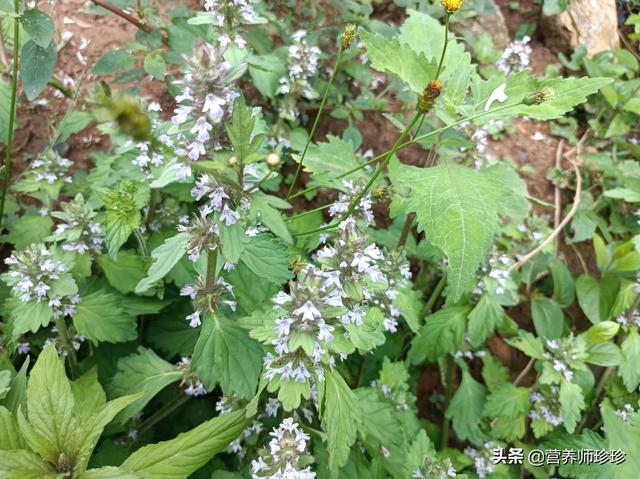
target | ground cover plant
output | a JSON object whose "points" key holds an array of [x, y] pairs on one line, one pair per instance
{"points": [[215, 266]]}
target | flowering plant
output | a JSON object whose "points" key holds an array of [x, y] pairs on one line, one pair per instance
{"points": [[223, 282]]}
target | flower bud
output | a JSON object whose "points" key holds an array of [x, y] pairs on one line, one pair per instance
{"points": [[541, 95], [233, 160], [451, 6], [348, 36], [273, 160], [429, 96], [132, 119]]}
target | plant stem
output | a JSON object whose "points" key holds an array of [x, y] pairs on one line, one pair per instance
{"points": [[451, 365], [63, 333], [212, 260], [122, 14], [163, 412], [435, 294], [444, 47], [308, 212], [316, 121], [142, 243], [356, 201], [12, 112]]}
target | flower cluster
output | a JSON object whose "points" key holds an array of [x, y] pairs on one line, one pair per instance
{"points": [[393, 384], [565, 354], [287, 455], [223, 197], [545, 413], [626, 321], [362, 212], [207, 95], [516, 57], [64, 347], [496, 277], [192, 385], [624, 412], [34, 274], [50, 167], [203, 236], [482, 459], [208, 299], [79, 231], [434, 469], [229, 17], [303, 64]]}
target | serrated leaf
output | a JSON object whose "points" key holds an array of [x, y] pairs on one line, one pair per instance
{"points": [[10, 437], [99, 317], [108, 472], [125, 271], [113, 61], [166, 256], [458, 208], [330, 159], [5, 110], [586, 440], [142, 372], [225, 354], [340, 419], [29, 316], [628, 369], [21, 464], [483, 319], [508, 401], [390, 56], [466, 408], [50, 406], [442, 333], [240, 130], [36, 67], [30, 229], [155, 65], [188, 452], [267, 258], [548, 317], [572, 403], [623, 435]]}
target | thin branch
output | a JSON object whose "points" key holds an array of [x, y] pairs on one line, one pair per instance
{"points": [[524, 372], [556, 193], [576, 202], [122, 14]]}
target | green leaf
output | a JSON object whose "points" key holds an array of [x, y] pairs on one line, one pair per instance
{"points": [[466, 408], [597, 298], [99, 317], [508, 401], [271, 217], [166, 256], [5, 107], [457, 62], [602, 332], [10, 437], [142, 372], [572, 403], [225, 354], [50, 406], [442, 333], [30, 316], [188, 452], [340, 419], [240, 130], [155, 65], [564, 290], [108, 472], [122, 214], [38, 26], [232, 239], [483, 319], [392, 57], [624, 436], [628, 369], [458, 208], [125, 271], [21, 464], [528, 344], [328, 160], [113, 61], [567, 93], [267, 258], [36, 67], [586, 440], [548, 317]]}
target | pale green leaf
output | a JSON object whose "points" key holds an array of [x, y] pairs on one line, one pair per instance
{"points": [[166, 256], [29, 316], [29, 229], [108, 472], [466, 408], [572, 403], [100, 318], [21, 464], [267, 258], [623, 435], [548, 317], [508, 401], [629, 368], [442, 333], [125, 271], [10, 437], [188, 452], [38, 26], [36, 67]]}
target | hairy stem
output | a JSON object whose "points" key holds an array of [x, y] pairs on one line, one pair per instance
{"points": [[12, 112], [451, 374], [316, 121]]}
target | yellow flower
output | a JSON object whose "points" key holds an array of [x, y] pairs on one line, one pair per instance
{"points": [[452, 5]]}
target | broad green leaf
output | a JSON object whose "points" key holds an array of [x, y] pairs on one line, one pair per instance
{"points": [[232, 239], [88, 394], [108, 472], [38, 26], [271, 217], [122, 215], [567, 93], [572, 403], [143, 372], [155, 65], [508, 401], [548, 317], [267, 258], [5, 108], [36, 67], [330, 159], [166, 256], [628, 369], [603, 331], [30, 316], [340, 419], [625, 436], [457, 62], [494, 372], [17, 396], [125, 271], [466, 408], [564, 290], [442, 333], [225, 354], [113, 61], [483, 319], [29, 229], [99, 317], [528, 344], [587, 440], [458, 208], [596, 298], [10, 437], [188, 452], [240, 130], [390, 56], [50, 405], [21, 464]]}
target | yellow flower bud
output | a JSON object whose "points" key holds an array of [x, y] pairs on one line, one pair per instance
{"points": [[451, 6], [273, 160]]}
